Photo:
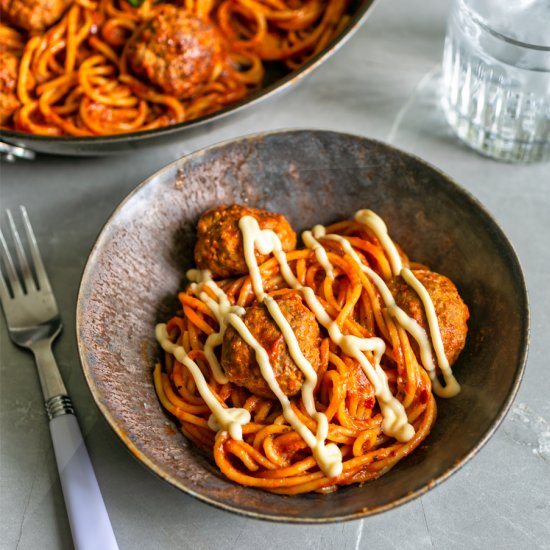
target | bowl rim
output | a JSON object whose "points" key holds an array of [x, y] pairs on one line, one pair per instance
{"points": [[524, 332]]}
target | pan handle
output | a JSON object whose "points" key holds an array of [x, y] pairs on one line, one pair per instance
{"points": [[11, 152]]}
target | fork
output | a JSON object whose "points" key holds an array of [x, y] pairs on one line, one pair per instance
{"points": [[33, 322]]}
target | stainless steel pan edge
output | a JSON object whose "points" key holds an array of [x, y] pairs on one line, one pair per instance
{"points": [[20, 144]]}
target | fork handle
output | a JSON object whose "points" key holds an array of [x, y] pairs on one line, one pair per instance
{"points": [[50, 378], [90, 524]]}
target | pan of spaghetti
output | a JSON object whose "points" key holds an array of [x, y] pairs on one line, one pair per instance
{"points": [[302, 326], [93, 76]]}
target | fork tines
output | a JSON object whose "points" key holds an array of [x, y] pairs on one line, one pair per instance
{"points": [[18, 279]]}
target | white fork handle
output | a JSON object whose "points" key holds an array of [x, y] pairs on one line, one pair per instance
{"points": [[90, 524]]}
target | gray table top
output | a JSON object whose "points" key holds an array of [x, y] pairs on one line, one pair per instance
{"points": [[383, 84]]}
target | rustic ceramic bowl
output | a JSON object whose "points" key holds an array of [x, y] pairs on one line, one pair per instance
{"points": [[139, 260]]}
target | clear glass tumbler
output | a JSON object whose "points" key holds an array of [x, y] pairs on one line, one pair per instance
{"points": [[496, 77]]}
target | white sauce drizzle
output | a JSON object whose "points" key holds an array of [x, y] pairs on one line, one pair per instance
{"points": [[230, 419], [220, 309], [377, 225], [395, 422], [328, 457], [452, 387], [309, 239]]}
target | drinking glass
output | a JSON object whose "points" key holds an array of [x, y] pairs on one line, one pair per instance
{"points": [[496, 77]]}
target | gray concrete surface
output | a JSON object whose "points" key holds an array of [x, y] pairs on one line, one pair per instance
{"points": [[382, 84]]}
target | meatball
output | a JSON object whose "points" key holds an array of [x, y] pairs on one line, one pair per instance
{"points": [[9, 64], [176, 51], [33, 15], [452, 313], [238, 359], [219, 246]]}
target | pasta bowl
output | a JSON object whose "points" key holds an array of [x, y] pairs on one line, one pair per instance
{"points": [[139, 262]]}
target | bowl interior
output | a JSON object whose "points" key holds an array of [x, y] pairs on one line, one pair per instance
{"points": [[140, 258]]}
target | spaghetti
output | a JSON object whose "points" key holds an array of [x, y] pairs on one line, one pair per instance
{"points": [[109, 67], [365, 370]]}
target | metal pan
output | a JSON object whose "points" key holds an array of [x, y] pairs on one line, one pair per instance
{"points": [[21, 144], [312, 177]]}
